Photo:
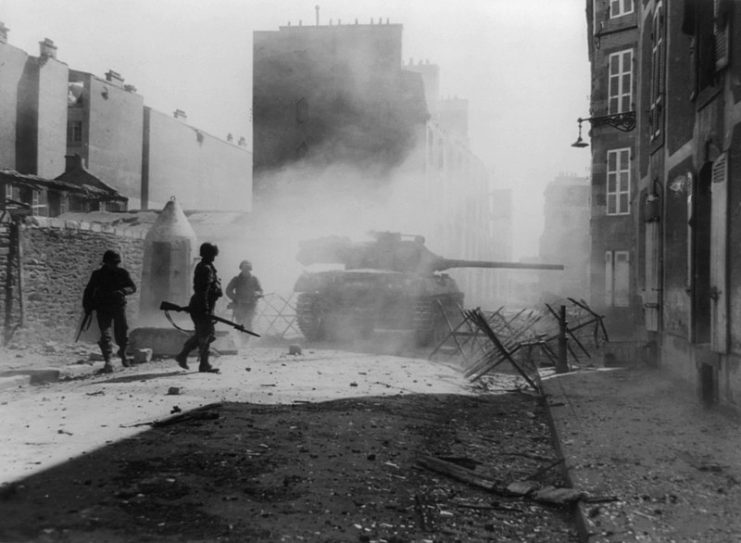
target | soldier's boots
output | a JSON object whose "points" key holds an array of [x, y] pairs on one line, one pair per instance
{"points": [[105, 350], [182, 359], [124, 361], [204, 365]]}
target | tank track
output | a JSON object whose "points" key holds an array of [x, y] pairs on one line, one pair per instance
{"points": [[311, 316]]}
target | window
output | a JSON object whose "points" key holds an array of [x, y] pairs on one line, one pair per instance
{"points": [[8, 191], [618, 8], [38, 205], [620, 94], [656, 109], [617, 278], [74, 132], [618, 182]]}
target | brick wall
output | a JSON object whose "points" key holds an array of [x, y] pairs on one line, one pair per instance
{"points": [[58, 257]]}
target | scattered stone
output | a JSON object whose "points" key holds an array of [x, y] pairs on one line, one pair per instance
{"points": [[522, 488], [294, 350], [142, 356], [173, 391]]}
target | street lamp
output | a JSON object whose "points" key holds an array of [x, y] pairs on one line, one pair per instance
{"points": [[625, 122]]}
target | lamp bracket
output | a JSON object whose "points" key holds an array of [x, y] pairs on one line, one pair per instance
{"points": [[625, 122]]}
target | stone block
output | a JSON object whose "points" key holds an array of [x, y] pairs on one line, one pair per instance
{"points": [[36, 376], [142, 356]]}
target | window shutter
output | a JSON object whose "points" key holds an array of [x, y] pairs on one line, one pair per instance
{"points": [[621, 279], [720, 171], [721, 35], [608, 278]]}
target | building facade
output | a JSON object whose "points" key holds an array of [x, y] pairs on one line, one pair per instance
{"points": [[48, 112], [613, 54], [683, 161], [325, 95], [198, 169], [105, 127], [565, 237], [33, 109]]}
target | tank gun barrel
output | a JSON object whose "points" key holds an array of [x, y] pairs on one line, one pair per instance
{"points": [[447, 263]]}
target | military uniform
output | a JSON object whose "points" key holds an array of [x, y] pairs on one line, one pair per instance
{"points": [[206, 290], [105, 294], [244, 290]]}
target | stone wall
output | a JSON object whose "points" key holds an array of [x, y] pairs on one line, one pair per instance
{"points": [[58, 257]]}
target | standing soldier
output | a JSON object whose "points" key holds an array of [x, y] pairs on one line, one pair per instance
{"points": [[244, 290], [106, 294], [206, 290]]}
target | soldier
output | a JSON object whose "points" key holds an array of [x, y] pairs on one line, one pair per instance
{"points": [[106, 294], [244, 290], [206, 290]]}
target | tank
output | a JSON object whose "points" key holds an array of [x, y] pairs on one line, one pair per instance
{"points": [[391, 282]]}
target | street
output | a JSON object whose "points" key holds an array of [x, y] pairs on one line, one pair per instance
{"points": [[45, 425], [155, 453]]}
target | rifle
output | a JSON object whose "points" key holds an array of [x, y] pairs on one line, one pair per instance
{"points": [[84, 324], [168, 306]]}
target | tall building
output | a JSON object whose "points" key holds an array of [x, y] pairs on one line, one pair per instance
{"points": [[33, 109], [334, 94], [613, 55], [105, 128], [565, 237], [200, 170], [666, 230]]}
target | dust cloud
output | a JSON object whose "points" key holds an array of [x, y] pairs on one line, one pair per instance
{"points": [[308, 202]]}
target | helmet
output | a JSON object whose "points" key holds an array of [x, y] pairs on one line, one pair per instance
{"points": [[209, 250], [245, 265], [111, 257]]}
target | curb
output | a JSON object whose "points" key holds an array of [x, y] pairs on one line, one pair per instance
{"points": [[14, 381], [41, 376], [566, 469]]}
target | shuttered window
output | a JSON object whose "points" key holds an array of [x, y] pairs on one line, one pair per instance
{"points": [[721, 33], [658, 68], [620, 86], [617, 278], [618, 182]]}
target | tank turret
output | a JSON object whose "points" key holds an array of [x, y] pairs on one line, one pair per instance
{"points": [[390, 282], [393, 251]]}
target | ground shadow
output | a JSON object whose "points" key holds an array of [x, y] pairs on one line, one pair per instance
{"points": [[344, 470]]}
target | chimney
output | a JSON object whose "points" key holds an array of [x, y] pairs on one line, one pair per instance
{"points": [[72, 162], [3, 33], [180, 114], [47, 49], [114, 77], [242, 141]]}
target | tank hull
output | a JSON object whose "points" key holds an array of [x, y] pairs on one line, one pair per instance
{"points": [[351, 304]]}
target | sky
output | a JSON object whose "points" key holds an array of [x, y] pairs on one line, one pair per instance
{"points": [[522, 64]]}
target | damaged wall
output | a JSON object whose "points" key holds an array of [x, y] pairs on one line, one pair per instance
{"points": [[58, 257]]}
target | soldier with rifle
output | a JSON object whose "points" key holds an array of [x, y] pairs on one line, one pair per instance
{"points": [[106, 294], [244, 290], [206, 290]]}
